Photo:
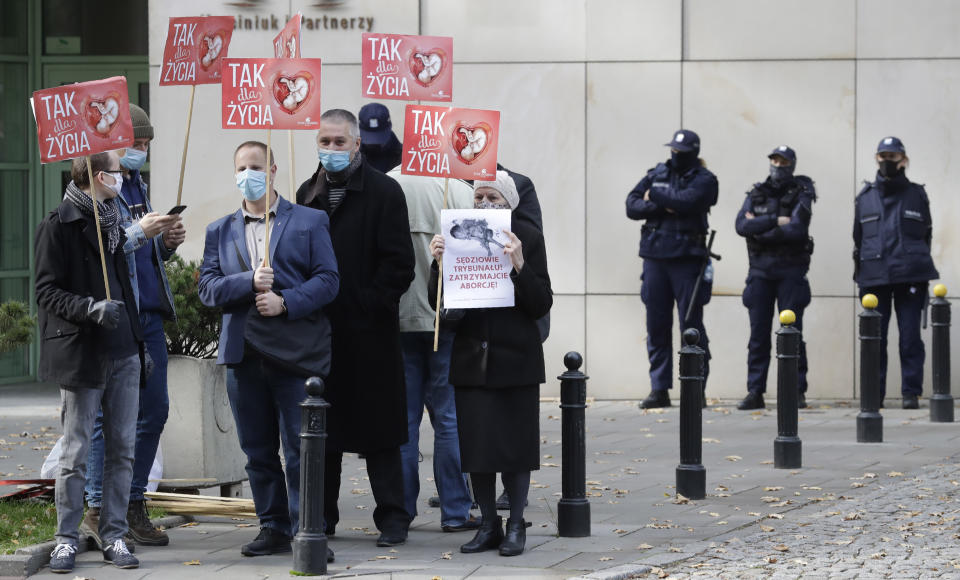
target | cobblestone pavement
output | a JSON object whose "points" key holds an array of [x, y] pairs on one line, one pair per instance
{"points": [[906, 528]]}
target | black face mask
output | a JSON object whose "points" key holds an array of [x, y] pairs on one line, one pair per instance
{"points": [[780, 175], [889, 168], [683, 159]]}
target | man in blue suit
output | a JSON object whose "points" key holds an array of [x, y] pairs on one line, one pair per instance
{"points": [[274, 333]]}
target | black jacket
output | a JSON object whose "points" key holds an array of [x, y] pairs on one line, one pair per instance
{"points": [[675, 216], [775, 251], [370, 232], [68, 271], [500, 347]]}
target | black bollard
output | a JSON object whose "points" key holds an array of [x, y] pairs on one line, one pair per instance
{"points": [[941, 403], [869, 420], [691, 475], [787, 448], [310, 543], [573, 512]]}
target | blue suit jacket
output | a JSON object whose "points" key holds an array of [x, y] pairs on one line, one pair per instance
{"points": [[303, 262]]}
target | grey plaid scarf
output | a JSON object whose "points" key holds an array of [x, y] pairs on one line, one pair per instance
{"points": [[108, 211]]}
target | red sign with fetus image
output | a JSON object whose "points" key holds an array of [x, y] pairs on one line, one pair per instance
{"points": [[450, 142], [271, 93], [407, 68], [82, 119], [287, 43], [195, 48]]}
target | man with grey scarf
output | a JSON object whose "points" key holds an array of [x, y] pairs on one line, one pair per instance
{"points": [[92, 347]]}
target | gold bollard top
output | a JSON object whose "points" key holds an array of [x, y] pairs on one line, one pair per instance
{"points": [[939, 290], [787, 317], [869, 301]]}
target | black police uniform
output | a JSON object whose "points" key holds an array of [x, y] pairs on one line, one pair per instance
{"points": [[892, 230], [779, 260], [673, 248]]}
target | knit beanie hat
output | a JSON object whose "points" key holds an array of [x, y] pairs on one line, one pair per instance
{"points": [[503, 184], [142, 129]]}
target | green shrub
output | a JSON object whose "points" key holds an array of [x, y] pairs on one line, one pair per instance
{"points": [[16, 325], [196, 331]]}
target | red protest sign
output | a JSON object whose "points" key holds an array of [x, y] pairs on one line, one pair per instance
{"points": [[450, 142], [195, 47], [287, 43], [409, 68], [271, 93], [82, 119]]}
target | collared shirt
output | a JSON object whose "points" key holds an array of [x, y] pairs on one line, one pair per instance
{"points": [[255, 229]]}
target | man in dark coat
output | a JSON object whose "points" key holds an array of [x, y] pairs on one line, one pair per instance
{"points": [[92, 347], [371, 239]]}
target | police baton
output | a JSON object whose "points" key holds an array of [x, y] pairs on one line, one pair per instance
{"points": [[703, 269]]}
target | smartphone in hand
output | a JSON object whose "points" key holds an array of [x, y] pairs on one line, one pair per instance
{"points": [[177, 210]]}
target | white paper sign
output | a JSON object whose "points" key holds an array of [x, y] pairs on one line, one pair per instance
{"points": [[476, 272]]}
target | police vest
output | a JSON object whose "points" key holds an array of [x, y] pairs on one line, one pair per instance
{"points": [[894, 235], [763, 204]]}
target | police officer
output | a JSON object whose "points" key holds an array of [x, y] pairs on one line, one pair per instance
{"points": [[891, 234], [775, 219], [673, 199]]}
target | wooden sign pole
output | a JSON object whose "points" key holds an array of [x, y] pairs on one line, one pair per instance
{"points": [[436, 321], [96, 220], [293, 168], [186, 141], [266, 210]]}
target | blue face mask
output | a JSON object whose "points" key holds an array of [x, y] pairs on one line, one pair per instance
{"points": [[252, 184], [133, 158], [333, 161]]}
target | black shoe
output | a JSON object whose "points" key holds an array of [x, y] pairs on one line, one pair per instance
{"points": [[141, 529], [753, 400], [388, 540], [656, 399], [471, 523], [62, 558], [268, 541], [515, 538], [329, 530], [489, 536], [503, 502], [802, 401], [329, 556], [911, 402], [434, 501]]}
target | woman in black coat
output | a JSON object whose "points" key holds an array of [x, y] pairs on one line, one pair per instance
{"points": [[496, 369]]}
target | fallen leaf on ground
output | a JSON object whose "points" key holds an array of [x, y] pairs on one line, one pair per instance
{"points": [[606, 559], [192, 563], [773, 488], [644, 547], [766, 528], [447, 555], [733, 458], [781, 548]]}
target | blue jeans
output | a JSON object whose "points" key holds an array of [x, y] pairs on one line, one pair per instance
{"points": [[265, 402], [118, 399], [154, 407], [427, 376]]}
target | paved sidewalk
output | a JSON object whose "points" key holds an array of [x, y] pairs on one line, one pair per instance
{"points": [[637, 523]]}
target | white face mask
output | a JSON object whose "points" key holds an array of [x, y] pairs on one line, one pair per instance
{"points": [[117, 181]]}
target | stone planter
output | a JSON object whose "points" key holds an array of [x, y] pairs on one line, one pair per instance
{"points": [[200, 437]]}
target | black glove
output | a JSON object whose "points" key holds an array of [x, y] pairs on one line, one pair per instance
{"points": [[106, 313]]}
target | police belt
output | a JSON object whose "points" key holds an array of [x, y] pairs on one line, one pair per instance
{"points": [[698, 238], [804, 249]]}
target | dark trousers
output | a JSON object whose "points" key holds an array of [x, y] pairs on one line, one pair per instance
{"points": [[759, 296], [908, 300], [385, 471], [666, 282], [266, 407]]}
